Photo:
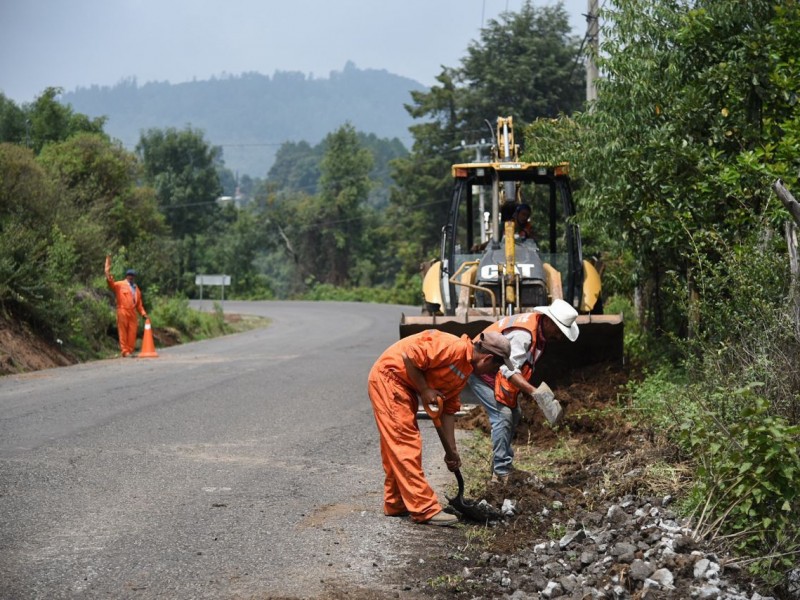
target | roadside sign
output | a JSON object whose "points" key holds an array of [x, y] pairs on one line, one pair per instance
{"points": [[202, 280], [220, 280]]}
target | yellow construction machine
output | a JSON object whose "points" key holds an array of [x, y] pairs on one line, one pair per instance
{"points": [[487, 269]]}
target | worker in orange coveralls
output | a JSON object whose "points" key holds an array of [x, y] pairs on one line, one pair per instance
{"points": [[129, 302], [425, 366]]}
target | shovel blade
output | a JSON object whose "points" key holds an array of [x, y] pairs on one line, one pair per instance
{"points": [[480, 512], [548, 404]]}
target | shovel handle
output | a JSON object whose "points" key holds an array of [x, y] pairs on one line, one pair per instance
{"points": [[436, 416], [460, 480]]}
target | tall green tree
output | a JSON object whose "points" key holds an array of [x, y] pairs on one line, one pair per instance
{"points": [[13, 127], [419, 201], [50, 121], [181, 166], [43, 121], [523, 65], [679, 149], [183, 169], [696, 116], [324, 234], [341, 206]]}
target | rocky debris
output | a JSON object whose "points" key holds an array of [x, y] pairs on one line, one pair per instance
{"points": [[601, 525], [634, 549]]}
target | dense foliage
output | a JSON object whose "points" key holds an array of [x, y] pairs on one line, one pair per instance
{"points": [[696, 117]]}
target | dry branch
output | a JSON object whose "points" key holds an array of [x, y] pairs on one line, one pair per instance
{"points": [[792, 205]]}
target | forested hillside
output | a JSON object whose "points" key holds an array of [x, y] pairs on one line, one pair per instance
{"points": [[249, 116]]}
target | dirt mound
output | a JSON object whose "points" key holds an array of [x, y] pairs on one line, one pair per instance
{"points": [[22, 350], [590, 511], [593, 432]]}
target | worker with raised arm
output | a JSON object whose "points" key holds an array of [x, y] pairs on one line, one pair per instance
{"points": [[424, 367], [128, 298], [499, 393]]}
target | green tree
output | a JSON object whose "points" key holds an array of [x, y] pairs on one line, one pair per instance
{"points": [[38, 261], [232, 246], [419, 202], [296, 167], [100, 206], [12, 122], [526, 65], [51, 121], [341, 207], [696, 116], [523, 65], [182, 168], [674, 137]]}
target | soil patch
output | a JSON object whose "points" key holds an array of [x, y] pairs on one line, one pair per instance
{"points": [[594, 435], [596, 466], [22, 350]]}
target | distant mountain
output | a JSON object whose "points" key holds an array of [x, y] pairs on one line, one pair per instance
{"points": [[251, 115]]}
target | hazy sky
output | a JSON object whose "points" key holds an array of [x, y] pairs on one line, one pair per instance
{"points": [[70, 43]]}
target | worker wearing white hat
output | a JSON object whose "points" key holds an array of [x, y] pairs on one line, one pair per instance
{"points": [[499, 393]]}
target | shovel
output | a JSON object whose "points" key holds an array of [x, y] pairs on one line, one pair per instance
{"points": [[469, 509], [548, 404]]}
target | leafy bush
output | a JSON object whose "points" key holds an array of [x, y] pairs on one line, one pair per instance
{"points": [[399, 294], [174, 312], [748, 481], [662, 401], [743, 327]]}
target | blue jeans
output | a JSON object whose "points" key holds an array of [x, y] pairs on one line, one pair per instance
{"points": [[504, 421]]}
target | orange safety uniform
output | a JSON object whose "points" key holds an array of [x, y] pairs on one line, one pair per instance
{"points": [[506, 392], [445, 361], [128, 303]]}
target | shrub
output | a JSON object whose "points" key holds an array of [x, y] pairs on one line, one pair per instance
{"points": [[662, 401], [395, 295], [175, 313], [748, 481]]}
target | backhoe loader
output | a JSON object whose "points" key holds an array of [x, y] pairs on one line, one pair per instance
{"points": [[487, 269]]}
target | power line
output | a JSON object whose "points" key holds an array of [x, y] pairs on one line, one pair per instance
{"points": [[249, 145]]}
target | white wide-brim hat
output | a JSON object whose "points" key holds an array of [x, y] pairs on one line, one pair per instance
{"points": [[563, 315]]}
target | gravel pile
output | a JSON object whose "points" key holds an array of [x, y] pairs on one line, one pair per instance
{"points": [[635, 548]]}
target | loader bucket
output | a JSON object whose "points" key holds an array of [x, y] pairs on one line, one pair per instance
{"points": [[470, 325], [600, 340]]}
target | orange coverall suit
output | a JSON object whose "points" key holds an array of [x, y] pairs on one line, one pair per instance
{"points": [[127, 307], [445, 361]]}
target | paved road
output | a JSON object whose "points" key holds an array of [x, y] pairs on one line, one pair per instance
{"points": [[245, 466]]}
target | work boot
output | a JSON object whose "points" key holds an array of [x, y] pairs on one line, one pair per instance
{"points": [[499, 478], [442, 519]]}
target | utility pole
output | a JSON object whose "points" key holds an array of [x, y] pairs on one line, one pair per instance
{"points": [[481, 199], [593, 38]]}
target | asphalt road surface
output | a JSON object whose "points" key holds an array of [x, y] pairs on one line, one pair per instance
{"points": [[241, 467]]}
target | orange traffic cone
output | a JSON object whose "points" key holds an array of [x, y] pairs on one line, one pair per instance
{"points": [[148, 347]]}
